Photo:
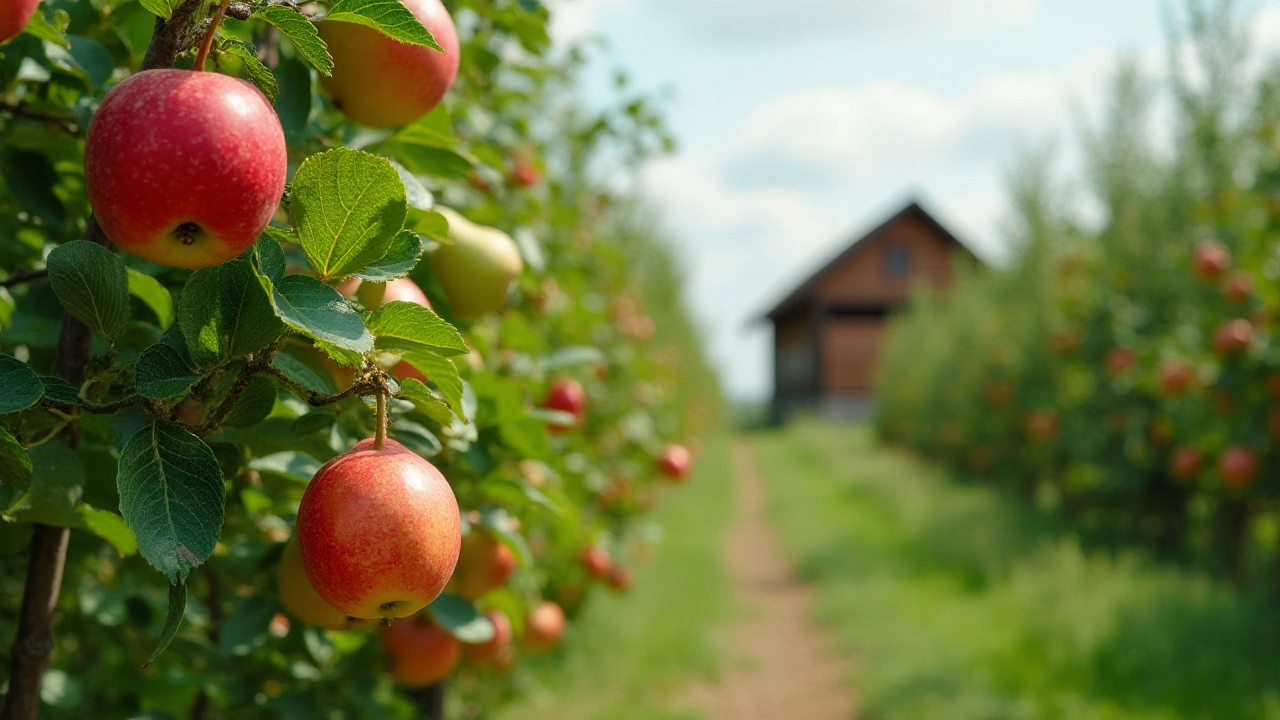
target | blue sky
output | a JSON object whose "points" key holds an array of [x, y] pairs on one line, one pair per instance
{"points": [[803, 122]]}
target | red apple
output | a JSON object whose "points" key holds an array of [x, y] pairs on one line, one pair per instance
{"points": [[419, 652], [301, 599], [1238, 466], [379, 531], [544, 626], [1238, 288], [524, 171], [382, 82], [14, 15], [597, 561], [1233, 337], [1176, 377], [477, 268], [620, 578], [567, 395], [184, 168], [674, 462], [483, 565], [1185, 463], [1118, 360], [1211, 260], [492, 650]]}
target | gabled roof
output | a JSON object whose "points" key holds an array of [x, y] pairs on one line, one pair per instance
{"points": [[797, 296]]}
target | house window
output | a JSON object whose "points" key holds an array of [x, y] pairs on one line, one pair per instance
{"points": [[896, 261]]}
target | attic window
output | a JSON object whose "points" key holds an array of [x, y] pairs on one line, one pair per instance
{"points": [[896, 261]]}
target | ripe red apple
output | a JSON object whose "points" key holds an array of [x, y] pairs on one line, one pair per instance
{"points": [[620, 578], [1211, 260], [301, 599], [597, 561], [674, 462], [14, 15], [1238, 288], [544, 626], [379, 531], [382, 82], [1238, 466], [419, 652], [484, 564], [492, 651], [524, 170], [477, 269], [1184, 463], [184, 168], [1233, 337], [1176, 377], [567, 395], [1119, 359]]}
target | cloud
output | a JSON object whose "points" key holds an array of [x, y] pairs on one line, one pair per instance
{"points": [[573, 21]]}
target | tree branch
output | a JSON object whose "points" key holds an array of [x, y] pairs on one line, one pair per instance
{"points": [[23, 275]]}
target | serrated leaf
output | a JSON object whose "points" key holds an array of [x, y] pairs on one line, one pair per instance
{"points": [[54, 32], [93, 285], [177, 608], [253, 69], [161, 372], [225, 312], [301, 32], [443, 374], [161, 8], [348, 207], [320, 312], [389, 17], [428, 401], [15, 463], [459, 617], [20, 387], [403, 256], [254, 404], [172, 497], [153, 295], [60, 391], [268, 257], [411, 327], [281, 235]]}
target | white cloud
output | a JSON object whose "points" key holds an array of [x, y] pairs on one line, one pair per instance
{"points": [[573, 21]]}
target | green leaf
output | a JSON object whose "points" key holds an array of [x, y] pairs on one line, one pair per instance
{"points": [[161, 8], [20, 387], [435, 161], [459, 617], [254, 404], [301, 32], [57, 486], [252, 69], [498, 521], [93, 284], [268, 256], [15, 463], [172, 496], [434, 129], [92, 59], [427, 401], [31, 178], [60, 391], [348, 207], [442, 373], [416, 437], [389, 17], [245, 629], [294, 103], [41, 27], [161, 372], [317, 310], [416, 194], [403, 256], [297, 371], [408, 326], [224, 312], [108, 526], [177, 608], [153, 295]]}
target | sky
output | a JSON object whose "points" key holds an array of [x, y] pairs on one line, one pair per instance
{"points": [[802, 124]]}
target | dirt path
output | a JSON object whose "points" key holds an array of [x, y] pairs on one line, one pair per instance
{"points": [[782, 668]]}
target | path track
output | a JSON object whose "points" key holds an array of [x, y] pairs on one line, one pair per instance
{"points": [[781, 665]]}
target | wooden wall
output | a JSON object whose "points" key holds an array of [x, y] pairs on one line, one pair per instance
{"points": [[863, 279]]}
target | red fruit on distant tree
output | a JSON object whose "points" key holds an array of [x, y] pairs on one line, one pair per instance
{"points": [[674, 462], [1185, 462], [1238, 288], [484, 564], [1233, 337], [379, 531], [544, 626], [14, 15], [524, 171], [1041, 425], [1211, 260], [1238, 466], [620, 577], [380, 82], [1119, 359], [419, 652], [597, 561], [184, 168], [567, 395], [1176, 377], [493, 650]]}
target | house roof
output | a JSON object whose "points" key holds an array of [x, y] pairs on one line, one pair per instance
{"points": [[798, 295]]}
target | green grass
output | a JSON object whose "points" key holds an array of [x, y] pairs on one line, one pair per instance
{"points": [[628, 656], [957, 604]]}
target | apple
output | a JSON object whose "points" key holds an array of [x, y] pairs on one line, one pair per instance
{"points": [[483, 565], [301, 599], [1237, 465], [674, 462], [1176, 377], [524, 170], [566, 395], [1184, 463], [1233, 337], [373, 294], [419, 652], [597, 561], [380, 82], [1211, 260], [184, 168], [14, 15], [620, 577], [477, 269], [379, 531], [1118, 360], [1042, 425], [544, 626], [492, 650], [1238, 288]]}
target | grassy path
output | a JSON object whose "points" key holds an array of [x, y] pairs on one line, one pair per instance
{"points": [[959, 605]]}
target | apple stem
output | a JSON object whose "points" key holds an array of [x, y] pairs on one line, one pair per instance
{"points": [[209, 34], [380, 434]]}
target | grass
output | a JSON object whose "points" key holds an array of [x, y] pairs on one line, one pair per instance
{"points": [[957, 604], [628, 656]]}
